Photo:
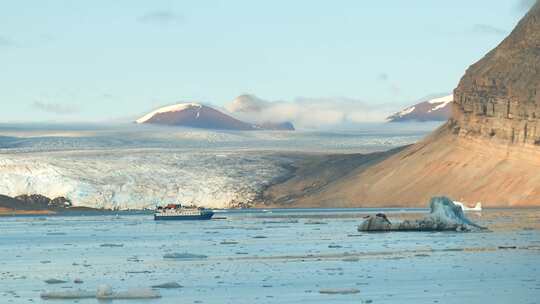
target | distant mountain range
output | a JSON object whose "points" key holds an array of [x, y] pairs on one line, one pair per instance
{"points": [[436, 109], [196, 115]]}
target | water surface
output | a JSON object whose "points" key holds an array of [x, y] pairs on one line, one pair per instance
{"points": [[280, 256]]}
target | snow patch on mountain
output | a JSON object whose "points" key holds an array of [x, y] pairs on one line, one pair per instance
{"points": [[172, 108], [434, 109], [444, 99], [441, 102], [407, 111]]}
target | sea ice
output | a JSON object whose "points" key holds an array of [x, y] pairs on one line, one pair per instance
{"points": [[71, 294], [184, 256], [103, 292], [444, 216], [168, 285], [55, 281], [111, 245], [339, 291]]}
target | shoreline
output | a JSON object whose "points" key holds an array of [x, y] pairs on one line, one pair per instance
{"points": [[270, 212], [76, 212]]}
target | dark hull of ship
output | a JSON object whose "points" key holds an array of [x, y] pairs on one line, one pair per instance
{"points": [[204, 216]]}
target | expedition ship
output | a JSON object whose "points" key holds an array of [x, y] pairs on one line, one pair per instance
{"points": [[177, 212]]}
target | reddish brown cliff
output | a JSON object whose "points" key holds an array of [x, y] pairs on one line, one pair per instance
{"points": [[499, 96], [489, 150]]}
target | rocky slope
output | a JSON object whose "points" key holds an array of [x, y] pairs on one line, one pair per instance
{"points": [[489, 150], [436, 109], [499, 96]]}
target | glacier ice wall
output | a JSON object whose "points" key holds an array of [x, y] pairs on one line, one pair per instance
{"points": [[140, 166], [138, 179]]}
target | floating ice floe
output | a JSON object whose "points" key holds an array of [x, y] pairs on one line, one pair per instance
{"points": [[184, 256], [315, 223], [111, 245], [228, 242], [103, 292], [72, 294], [339, 291], [168, 285], [55, 281], [444, 216]]}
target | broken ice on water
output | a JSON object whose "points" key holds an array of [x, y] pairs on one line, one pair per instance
{"points": [[180, 261]]}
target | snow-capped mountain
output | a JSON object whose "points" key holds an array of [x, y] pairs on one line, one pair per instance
{"points": [[201, 116], [436, 109]]}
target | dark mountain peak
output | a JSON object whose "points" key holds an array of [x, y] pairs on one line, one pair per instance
{"points": [[435, 109], [196, 115]]}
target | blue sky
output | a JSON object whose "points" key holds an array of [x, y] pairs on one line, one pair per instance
{"points": [[100, 60]]}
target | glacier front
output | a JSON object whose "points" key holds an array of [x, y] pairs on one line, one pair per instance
{"points": [[135, 167]]}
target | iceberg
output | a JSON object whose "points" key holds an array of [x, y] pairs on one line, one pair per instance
{"points": [[444, 216], [103, 292]]}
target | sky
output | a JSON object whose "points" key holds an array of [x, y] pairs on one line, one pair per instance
{"points": [[101, 60]]}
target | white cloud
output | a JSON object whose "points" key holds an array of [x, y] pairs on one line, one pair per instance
{"points": [[305, 112], [55, 108]]}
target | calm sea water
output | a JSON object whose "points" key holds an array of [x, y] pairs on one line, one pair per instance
{"points": [[280, 256]]}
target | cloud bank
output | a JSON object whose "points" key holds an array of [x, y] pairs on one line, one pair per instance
{"points": [[55, 108], [306, 112]]}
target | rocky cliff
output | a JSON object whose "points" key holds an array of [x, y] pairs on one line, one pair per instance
{"points": [[499, 96], [489, 150]]}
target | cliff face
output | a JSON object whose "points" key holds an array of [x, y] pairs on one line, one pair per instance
{"points": [[499, 96], [489, 150]]}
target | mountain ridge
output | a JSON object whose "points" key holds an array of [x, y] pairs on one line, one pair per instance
{"points": [[488, 151], [434, 109], [197, 115]]}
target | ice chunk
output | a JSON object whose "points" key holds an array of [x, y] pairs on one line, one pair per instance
{"points": [[103, 292], [184, 256], [55, 281], [111, 245], [444, 216], [339, 291], [139, 293], [228, 243], [168, 285], [72, 294]]}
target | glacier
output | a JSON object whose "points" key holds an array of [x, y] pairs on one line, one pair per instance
{"points": [[136, 167]]}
